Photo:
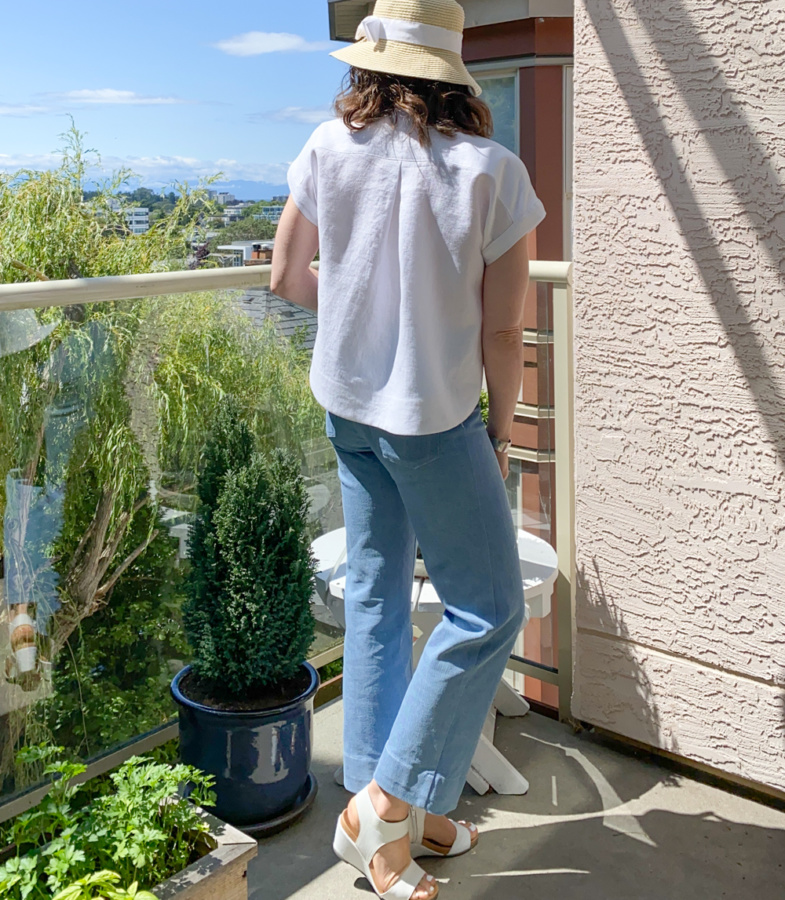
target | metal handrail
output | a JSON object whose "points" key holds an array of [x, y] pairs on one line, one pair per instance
{"points": [[44, 294]]}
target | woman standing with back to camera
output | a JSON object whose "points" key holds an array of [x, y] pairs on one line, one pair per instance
{"points": [[420, 221]]}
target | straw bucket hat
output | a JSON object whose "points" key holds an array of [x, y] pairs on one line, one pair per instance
{"points": [[413, 38]]}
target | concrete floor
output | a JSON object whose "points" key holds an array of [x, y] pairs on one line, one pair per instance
{"points": [[596, 824]]}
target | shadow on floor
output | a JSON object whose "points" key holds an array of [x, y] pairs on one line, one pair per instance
{"points": [[595, 825]]}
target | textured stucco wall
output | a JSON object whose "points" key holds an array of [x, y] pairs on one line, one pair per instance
{"points": [[680, 377]]}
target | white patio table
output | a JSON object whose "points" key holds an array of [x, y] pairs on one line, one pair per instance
{"points": [[490, 769]]}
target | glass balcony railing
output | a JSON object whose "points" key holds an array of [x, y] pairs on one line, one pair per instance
{"points": [[106, 400], [105, 409]]}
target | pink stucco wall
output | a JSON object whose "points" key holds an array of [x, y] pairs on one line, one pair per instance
{"points": [[680, 377]]}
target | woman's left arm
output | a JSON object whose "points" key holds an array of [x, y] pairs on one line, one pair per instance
{"points": [[296, 244]]}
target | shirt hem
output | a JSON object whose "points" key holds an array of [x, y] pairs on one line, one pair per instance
{"points": [[335, 399]]}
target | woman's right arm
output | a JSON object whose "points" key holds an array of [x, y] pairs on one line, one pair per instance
{"points": [[504, 288], [296, 243]]}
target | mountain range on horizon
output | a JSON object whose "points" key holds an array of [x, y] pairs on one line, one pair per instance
{"points": [[242, 190], [251, 190]]}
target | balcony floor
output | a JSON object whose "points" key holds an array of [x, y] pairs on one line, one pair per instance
{"points": [[596, 824]]}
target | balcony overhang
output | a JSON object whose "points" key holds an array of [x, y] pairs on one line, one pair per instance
{"points": [[345, 15]]}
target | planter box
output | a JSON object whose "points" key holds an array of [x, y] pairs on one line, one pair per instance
{"points": [[221, 872]]}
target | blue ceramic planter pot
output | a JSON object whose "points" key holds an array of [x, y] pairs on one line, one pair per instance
{"points": [[260, 760]]}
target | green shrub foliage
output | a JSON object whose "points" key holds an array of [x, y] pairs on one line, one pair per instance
{"points": [[248, 613], [139, 830]]}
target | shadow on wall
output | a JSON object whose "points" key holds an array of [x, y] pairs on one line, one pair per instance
{"points": [[631, 708], [747, 168]]}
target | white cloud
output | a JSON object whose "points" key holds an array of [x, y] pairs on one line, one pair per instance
{"points": [[21, 109], [112, 96], [12, 162], [309, 115], [157, 171], [255, 43]]}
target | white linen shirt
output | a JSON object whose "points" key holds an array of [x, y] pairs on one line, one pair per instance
{"points": [[405, 233]]}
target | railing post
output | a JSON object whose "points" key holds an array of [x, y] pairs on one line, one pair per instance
{"points": [[565, 486]]}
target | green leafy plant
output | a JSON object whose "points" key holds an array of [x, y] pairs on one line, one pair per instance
{"points": [[484, 405], [141, 831], [102, 886], [248, 615]]}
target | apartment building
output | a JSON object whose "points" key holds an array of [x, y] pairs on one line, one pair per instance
{"points": [[138, 219], [222, 197], [270, 213]]}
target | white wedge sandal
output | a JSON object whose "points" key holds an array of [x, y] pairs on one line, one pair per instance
{"points": [[360, 848], [421, 846], [22, 634]]}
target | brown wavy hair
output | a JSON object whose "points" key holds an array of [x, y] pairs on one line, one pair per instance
{"points": [[449, 108]]}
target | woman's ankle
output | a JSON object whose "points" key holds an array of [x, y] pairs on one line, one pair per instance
{"points": [[387, 806]]}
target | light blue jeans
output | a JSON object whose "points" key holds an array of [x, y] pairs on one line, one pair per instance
{"points": [[416, 734]]}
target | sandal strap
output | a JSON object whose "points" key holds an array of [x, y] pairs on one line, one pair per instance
{"points": [[406, 885], [463, 834], [374, 831], [463, 839], [417, 824], [20, 619]]}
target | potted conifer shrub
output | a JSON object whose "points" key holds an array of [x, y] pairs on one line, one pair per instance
{"points": [[246, 700]]}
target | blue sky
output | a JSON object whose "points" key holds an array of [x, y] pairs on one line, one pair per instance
{"points": [[173, 90]]}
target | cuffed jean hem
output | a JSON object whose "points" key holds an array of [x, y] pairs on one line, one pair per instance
{"points": [[424, 788], [358, 772]]}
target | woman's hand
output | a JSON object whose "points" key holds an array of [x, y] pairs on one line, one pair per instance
{"points": [[504, 462]]}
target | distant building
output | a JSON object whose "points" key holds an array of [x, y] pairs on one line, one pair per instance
{"points": [[221, 197], [228, 216], [269, 213], [281, 198], [138, 219], [246, 253]]}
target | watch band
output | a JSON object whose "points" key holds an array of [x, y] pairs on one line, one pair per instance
{"points": [[500, 446]]}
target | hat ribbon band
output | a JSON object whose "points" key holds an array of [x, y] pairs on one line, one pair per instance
{"points": [[379, 28]]}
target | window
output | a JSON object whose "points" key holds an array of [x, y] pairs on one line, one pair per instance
{"points": [[500, 92]]}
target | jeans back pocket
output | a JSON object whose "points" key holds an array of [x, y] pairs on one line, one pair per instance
{"points": [[412, 451]]}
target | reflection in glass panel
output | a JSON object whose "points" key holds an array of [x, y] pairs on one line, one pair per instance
{"points": [[105, 409], [528, 491], [498, 91]]}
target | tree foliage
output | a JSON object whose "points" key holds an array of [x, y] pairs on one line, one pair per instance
{"points": [[103, 423], [46, 230], [246, 229]]}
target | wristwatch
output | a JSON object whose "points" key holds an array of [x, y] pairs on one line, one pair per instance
{"points": [[499, 445]]}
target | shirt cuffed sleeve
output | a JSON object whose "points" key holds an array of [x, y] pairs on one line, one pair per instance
{"points": [[514, 209]]}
